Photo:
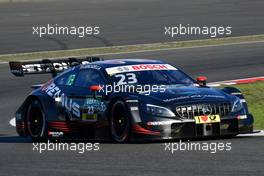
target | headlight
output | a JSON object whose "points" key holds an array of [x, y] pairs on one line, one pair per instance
{"points": [[237, 106], [159, 111]]}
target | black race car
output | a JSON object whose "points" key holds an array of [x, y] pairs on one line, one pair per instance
{"points": [[126, 99]]}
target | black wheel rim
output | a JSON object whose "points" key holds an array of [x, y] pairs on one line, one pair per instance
{"points": [[119, 123], [35, 121]]}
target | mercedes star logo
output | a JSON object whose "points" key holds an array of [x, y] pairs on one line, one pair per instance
{"points": [[207, 109]]}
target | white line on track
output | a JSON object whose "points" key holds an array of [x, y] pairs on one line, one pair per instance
{"points": [[163, 49], [261, 133], [3, 62]]}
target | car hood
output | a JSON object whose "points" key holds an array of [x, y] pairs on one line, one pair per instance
{"points": [[187, 94]]}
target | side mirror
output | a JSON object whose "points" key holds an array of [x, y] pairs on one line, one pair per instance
{"points": [[94, 89], [201, 80]]}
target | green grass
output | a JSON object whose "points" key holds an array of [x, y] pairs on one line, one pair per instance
{"points": [[131, 48], [254, 94]]}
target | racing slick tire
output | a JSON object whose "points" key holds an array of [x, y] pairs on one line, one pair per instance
{"points": [[120, 122], [36, 122]]}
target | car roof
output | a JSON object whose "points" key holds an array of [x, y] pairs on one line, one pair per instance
{"points": [[123, 62]]}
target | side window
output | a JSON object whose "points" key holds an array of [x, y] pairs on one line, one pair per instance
{"points": [[89, 77], [66, 80]]}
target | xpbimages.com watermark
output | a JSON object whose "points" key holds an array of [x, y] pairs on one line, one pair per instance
{"points": [[127, 88], [211, 147], [79, 31], [210, 31], [74, 147]]}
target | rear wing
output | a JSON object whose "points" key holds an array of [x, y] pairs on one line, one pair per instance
{"points": [[53, 66]]}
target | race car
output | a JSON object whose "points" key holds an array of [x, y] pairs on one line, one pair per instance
{"points": [[124, 100]]}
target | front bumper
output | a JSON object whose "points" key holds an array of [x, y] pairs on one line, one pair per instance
{"points": [[175, 129]]}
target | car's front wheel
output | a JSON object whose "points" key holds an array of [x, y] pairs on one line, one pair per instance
{"points": [[36, 122], [120, 122]]}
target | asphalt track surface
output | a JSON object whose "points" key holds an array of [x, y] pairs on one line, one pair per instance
{"points": [[121, 22], [218, 63]]}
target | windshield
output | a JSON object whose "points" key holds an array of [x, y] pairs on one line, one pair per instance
{"points": [[152, 77]]}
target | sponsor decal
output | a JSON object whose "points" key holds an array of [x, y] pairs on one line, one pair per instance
{"points": [[55, 134], [46, 85], [193, 97], [91, 109], [149, 67], [159, 123], [132, 101], [70, 79], [88, 116], [134, 108], [97, 67], [207, 119], [240, 117], [140, 67], [58, 66], [88, 111], [69, 104]]}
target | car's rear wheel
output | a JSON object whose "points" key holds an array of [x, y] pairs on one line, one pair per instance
{"points": [[120, 122], [36, 122]]}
